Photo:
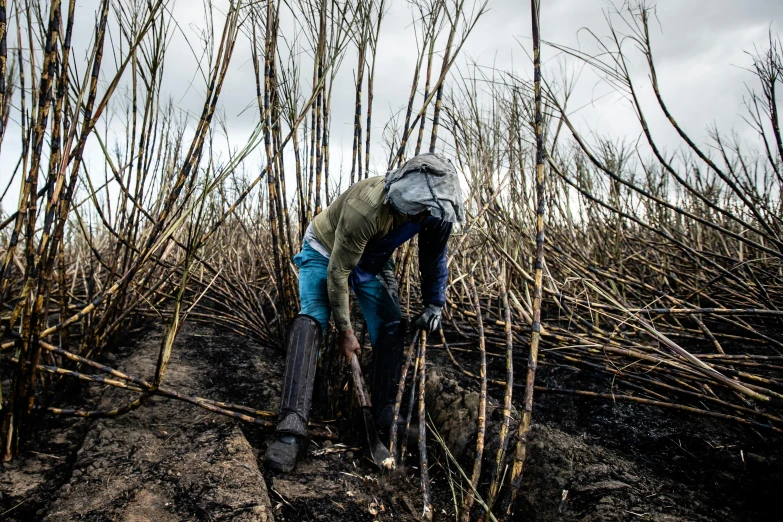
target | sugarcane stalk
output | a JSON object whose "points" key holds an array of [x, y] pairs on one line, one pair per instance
{"points": [[535, 337], [319, 107], [373, 42], [400, 393], [507, 395], [444, 66], [3, 58], [426, 492], [482, 409], [362, 40]]}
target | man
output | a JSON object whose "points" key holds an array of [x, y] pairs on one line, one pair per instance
{"points": [[350, 244]]}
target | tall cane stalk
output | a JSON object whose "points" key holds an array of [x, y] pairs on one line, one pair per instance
{"points": [[538, 275]]}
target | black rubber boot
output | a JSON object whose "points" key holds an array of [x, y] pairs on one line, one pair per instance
{"points": [[386, 371], [283, 453], [304, 338]]}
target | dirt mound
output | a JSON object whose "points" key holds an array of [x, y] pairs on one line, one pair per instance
{"points": [[165, 461]]}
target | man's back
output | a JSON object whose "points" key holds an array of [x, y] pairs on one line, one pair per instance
{"points": [[366, 197]]}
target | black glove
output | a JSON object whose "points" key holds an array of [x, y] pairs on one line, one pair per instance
{"points": [[428, 319]]}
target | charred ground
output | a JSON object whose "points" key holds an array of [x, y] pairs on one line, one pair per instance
{"points": [[173, 461]]}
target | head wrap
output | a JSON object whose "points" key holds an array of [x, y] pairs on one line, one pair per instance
{"points": [[426, 182]]}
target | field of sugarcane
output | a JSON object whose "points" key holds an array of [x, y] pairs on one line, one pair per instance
{"points": [[589, 267]]}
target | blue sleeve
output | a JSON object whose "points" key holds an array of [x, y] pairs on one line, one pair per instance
{"points": [[433, 238]]}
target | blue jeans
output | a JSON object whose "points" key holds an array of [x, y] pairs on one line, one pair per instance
{"points": [[378, 297]]}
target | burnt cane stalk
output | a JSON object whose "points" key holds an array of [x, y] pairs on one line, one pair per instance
{"points": [[272, 184], [24, 378], [3, 57], [426, 492], [538, 275], [356, 152], [370, 82], [509, 388], [319, 109], [482, 413], [444, 67]]}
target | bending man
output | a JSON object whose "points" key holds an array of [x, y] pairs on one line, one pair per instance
{"points": [[349, 245]]}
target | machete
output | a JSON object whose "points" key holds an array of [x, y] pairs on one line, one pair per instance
{"points": [[380, 453]]}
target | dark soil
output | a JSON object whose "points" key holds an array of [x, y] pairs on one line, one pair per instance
{"points": [[623, 461], [172, 461], [29, 483], [589, 459], [336, 480]]}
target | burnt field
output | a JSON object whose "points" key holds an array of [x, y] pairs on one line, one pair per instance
{"points": [[169, 461]]}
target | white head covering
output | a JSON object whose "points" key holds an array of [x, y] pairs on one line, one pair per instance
{"points": [[426, 182]]}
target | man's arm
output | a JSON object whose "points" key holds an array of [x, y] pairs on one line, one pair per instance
{"points": [[357, 225], [433, 239]]}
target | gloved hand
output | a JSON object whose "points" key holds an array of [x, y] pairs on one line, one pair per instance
{"points": [[428, 319]]}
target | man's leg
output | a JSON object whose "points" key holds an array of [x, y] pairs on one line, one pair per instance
{"points": [[380, 305], [303, 340], [313, 294]]}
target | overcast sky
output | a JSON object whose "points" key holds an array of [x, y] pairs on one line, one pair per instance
{"points": [[700, 48]]}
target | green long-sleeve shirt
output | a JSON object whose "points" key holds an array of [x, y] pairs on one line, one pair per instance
{"points": [[357, 216]]}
